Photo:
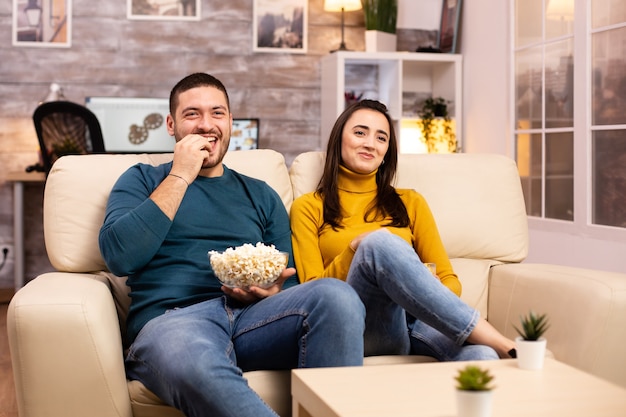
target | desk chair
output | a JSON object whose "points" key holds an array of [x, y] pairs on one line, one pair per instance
{"points": [[65, 128]]}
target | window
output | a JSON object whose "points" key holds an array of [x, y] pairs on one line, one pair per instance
{"points": [[567, 153], [608, 111]]}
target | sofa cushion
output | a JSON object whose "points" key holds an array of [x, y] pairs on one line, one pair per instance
{"points": [[305, 172], [274, 387], [78, 203], [474, 276], [481, 187]]}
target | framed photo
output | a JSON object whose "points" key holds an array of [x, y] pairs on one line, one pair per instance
{"points": [[163, 9], [450, 27], [42, 23], [280, 26]]}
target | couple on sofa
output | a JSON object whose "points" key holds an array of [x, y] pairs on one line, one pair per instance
{"points": [[189, 338]]}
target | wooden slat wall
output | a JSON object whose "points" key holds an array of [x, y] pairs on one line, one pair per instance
{"points": [[113, 56]]}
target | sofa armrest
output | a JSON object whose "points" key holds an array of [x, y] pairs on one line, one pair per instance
{"points": [[586, 309], [66, 348]]}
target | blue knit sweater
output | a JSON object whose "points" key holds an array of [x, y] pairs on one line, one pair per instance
{"points": [[166, 261]]}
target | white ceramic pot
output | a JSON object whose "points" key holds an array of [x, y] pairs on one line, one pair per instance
{"points": [[377, 41], [474, 403], [530, 353]]}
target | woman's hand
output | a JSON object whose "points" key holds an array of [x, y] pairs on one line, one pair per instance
{"points": [[354, 245], [254, 294]]}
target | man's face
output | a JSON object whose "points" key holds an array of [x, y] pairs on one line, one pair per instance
{"points": [[203, 111]]}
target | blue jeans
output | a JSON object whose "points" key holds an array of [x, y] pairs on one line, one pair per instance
{"points": [[407, 311], [193, 357]]}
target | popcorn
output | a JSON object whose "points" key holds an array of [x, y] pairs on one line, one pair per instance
{"points": [[248, 265]]}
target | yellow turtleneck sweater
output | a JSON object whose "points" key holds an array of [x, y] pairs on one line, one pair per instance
{"points": [[328, 254]]}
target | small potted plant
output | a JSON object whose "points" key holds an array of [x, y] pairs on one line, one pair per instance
{"points": [[380, 25], [530, 344], [474, 392], [437, 126]]}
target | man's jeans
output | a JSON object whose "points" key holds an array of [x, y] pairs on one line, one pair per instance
{"points": [[193, 357], [409, 311]]}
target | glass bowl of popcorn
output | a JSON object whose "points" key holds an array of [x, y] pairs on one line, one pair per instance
{"points": [[248, 265]]}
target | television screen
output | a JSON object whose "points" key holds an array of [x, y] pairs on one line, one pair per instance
{"points": [[137, 125], [245, 135]]}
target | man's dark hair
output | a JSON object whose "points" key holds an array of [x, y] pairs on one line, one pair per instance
{"points": [[198, 79]]}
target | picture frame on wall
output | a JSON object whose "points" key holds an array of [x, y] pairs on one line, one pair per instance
{"points": [[449, 30], [42, 23], [280, 26], [163, 9]]}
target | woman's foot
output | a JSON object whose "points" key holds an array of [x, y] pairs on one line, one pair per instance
{"points": [[485, 334]]}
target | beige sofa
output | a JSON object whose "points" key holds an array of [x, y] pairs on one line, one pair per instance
{"points": [[65, 327]]}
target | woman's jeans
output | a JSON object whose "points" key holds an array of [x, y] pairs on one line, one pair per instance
{"points": [[408, 311], [193, 357]]}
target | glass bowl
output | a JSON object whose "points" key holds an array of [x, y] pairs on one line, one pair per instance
{"points": [[248, 265]]}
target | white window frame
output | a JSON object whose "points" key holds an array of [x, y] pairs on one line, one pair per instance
{"points": [[583, 202]]}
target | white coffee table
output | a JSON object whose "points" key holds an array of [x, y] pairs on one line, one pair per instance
{"points": [[428, 389]]}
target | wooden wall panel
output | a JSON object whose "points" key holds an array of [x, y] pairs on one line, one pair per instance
{"points": [[113, 56]]}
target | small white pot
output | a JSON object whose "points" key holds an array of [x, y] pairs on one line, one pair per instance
{"points": [[474, 403], [530, 353], [377, 41]]}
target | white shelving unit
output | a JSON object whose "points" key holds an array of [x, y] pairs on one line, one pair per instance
{"points": [[398, 79]]}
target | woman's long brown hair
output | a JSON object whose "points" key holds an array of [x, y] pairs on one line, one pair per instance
{"points": [[387, 202]]}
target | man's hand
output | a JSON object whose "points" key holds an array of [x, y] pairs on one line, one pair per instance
{"points": [[190, 154], [254, 294]]}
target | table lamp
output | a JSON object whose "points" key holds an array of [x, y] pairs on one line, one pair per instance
{"points": [[342, 6]]}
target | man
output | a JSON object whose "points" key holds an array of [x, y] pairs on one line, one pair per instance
{"points": [[189, 337]]}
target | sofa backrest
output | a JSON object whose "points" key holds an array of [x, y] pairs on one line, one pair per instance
{"points": [[476, 199], [78, 187]]}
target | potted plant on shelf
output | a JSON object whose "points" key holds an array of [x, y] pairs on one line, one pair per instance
{"points": [[530, 345], [474, 396], [437, 126], [380, 25]]}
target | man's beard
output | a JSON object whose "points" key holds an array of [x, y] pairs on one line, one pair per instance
{"points": [[222, 143]]}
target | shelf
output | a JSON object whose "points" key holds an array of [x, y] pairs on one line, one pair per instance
{"points": [[401, 80]]}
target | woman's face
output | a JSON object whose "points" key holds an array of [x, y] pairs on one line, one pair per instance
{"points": [[364, 141]]}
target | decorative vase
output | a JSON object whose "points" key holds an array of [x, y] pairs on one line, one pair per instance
{"points": [[530, 353], [474, 403], [377, 41]]}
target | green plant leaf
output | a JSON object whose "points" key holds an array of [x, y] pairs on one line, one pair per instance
{"points": [[473, 378], [533, 326], [433, 108], [380, 15]]}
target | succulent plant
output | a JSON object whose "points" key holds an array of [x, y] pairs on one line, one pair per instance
{"points": [[473, 378], [533, 326]]}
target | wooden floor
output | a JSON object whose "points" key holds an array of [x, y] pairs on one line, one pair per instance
{"points": [[8, 405]]}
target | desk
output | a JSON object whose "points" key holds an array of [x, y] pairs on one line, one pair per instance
{"points": [[19, 179], [428, 390]]}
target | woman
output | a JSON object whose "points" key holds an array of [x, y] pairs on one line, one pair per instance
{"points": [[357, 227]]}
